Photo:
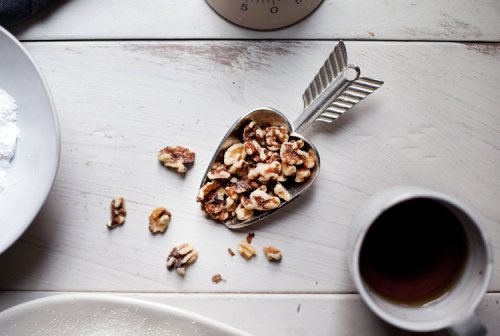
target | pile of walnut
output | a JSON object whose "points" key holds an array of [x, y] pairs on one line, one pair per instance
{"points": [[253, 172]]}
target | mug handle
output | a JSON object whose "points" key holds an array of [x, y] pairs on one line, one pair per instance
{"points": [[470, 326]]}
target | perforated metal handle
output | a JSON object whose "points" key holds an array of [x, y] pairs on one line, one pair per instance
{"points": [[334, 90]]}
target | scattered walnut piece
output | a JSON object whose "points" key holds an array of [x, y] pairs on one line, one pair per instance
{"points": [[246, 250], [230, 252], [181, 256], [250, 237], [272, 253], [176, 157], [118, 213], [158, 220], [217, 278]]}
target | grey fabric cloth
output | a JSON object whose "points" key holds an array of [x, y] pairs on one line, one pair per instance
{"points": [[14, 11]]}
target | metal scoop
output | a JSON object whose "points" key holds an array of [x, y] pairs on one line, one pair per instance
{"points": [[336, 88]]}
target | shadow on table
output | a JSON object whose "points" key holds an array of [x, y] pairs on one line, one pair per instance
{"points": [[22, 263], [40, 16], [380, 327], [393, 331]]}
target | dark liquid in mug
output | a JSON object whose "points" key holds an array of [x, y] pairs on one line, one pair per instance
{"points": [[414, 252]]}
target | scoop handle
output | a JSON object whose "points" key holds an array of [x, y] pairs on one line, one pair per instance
{"points": [[321, 103]]}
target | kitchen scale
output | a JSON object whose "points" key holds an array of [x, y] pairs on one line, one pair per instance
{"points": [[264, 14]]}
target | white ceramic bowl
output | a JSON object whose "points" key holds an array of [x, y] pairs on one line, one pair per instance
{"points": [[34, 165], [106, 315]]}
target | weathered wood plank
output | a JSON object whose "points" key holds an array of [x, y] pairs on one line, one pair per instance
{"points": [[433, 124]]}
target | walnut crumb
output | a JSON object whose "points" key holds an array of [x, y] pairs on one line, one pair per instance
{"points": [[158, 220], [272, 253], [246, 250], [250, 237], [118, 213], [230, 252], [217, 278]]}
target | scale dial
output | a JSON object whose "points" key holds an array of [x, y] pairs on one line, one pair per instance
{"points": [[264, 14]]}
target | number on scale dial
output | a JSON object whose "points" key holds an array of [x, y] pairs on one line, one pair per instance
{"points": [[264, 14]]}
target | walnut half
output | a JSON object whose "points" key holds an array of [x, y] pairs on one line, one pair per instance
{"points": [[217, 278], [272, 253], [181, 256], [176, 157], [158, 220], [118, 213], [246, 250]]}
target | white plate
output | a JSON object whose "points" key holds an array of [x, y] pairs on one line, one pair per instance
{"points": [[34, 165], [105, 315]]}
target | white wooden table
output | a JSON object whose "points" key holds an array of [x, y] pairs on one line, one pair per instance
{"points": [[129, 79]]}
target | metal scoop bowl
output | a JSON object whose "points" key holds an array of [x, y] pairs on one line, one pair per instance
{"points": [[336, 88]]}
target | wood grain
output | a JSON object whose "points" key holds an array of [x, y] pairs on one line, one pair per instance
{"points": [[460, 20], [433, 124]]}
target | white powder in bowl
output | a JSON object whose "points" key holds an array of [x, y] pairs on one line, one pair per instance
{"points": [[8, 133]]}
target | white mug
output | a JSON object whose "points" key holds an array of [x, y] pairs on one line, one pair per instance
{"points": [[455, 309]]}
